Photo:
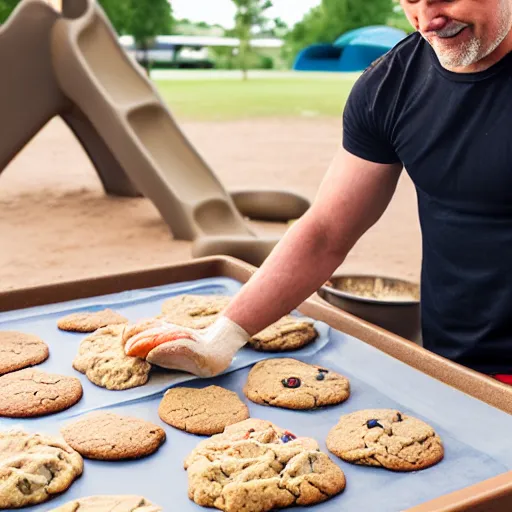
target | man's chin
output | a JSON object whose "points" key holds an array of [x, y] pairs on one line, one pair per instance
{"points": [[455, 59], [451, 62]]}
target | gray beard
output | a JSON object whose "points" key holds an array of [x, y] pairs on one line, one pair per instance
{"points": [[466, 55], [472, 51]]}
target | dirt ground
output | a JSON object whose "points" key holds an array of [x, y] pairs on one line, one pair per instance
{"points": [[56, 223]]}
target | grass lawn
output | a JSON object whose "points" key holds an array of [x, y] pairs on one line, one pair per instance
{"points": [[226, 99]]}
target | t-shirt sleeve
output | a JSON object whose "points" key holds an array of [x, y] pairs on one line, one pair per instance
{"points": [[364, 133]]}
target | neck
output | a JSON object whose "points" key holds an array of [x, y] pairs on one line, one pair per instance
{"points": [[495, 56]]}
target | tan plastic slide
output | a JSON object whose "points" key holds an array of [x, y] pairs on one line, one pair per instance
{"points": [[71, 64], [30, 95]]}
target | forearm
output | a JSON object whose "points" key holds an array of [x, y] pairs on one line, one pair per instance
{"points": [[351, 198], [302, 261]]}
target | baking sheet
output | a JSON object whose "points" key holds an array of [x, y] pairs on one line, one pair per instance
{"points": [[134, 305], [476, 436]]}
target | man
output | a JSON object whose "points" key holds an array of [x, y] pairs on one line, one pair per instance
{"points": [[439, 105]]}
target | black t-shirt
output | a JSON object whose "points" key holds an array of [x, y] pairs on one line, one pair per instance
{"points": [[453, 134]]}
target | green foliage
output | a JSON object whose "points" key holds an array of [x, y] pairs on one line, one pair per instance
{"points": [[201, 28], [118, 12], [149, 18], [225, 59], [326, 22], [250, 15], [143, 19], [280, 28], [6, 8]]}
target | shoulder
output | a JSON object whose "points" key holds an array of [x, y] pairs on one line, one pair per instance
{"points": [[369, 113], [385, 75]]}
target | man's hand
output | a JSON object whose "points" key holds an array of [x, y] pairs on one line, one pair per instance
{"points": [[205, 353], [352, 197]]}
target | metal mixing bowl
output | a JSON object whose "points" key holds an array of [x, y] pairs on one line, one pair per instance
{"points": [[393, 304]]}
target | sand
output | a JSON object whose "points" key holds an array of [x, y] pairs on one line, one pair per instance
{"points": [[56, 223]]}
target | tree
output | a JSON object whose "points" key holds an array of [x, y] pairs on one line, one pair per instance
{"points": [[250, 15], [6, 8], [118, 12], [147, 19], [306, 32], [326, 22], [143, 19], [340, 17]]}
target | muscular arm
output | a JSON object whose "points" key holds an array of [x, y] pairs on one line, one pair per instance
{"points": [[352, 197]]}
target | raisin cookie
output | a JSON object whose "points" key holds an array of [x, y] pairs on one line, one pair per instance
{"points": [[109, 504], [204, 411], [19, 350], [27, 393], [34, 467], [385, 438], [109, 436], [291, 384], [288, 333], [257, 467], [102, 359], [90, 321], [194, 311]]}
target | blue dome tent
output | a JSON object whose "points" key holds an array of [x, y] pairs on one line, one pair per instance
{"points": [[353, 51]]}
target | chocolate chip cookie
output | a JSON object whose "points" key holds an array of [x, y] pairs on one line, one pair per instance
{"points": [[34, 467], [90, 321], [109, 436], [102, 359], [31, 392], [194, 311], [257, 467], [288, 333], [292, 384], [204, 411], [19, 350], [385, 438], [109, 504]]}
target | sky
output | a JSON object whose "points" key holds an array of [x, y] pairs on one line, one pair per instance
{"points": [[223, 11]]}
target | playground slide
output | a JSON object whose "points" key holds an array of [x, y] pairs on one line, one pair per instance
{"points": [[71, 64], [98, 76], [30, 95]]}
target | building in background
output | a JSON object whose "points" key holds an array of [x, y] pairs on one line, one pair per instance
{"points": [[184, 51]]}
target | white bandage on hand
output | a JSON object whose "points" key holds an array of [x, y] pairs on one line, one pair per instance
{"points": [[205, 353], [227, 335]]}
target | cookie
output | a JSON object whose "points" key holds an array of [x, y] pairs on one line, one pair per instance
{"points": [[90, 321], [194, 311], [109, 436], [109, 504], [288, 333], [204, 411], [102, 359], [257, 467], [34, 468], [19, 350], [385, 438], [30, 392], [255, 429], [291, 384]]}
